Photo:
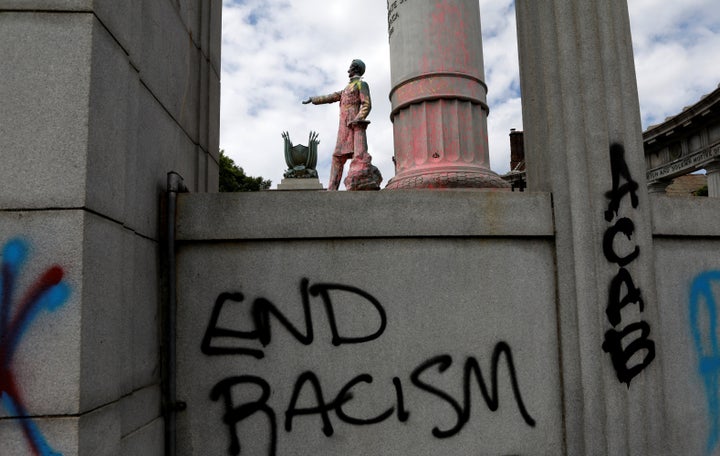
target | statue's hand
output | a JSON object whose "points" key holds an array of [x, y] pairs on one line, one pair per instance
{"points": [[307, 100]]}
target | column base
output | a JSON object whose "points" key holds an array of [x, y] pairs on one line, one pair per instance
{"points": [[450, 177]]}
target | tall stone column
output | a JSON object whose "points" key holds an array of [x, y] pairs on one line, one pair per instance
{"points": [[583, 143], [713, 179], [439, 108]]}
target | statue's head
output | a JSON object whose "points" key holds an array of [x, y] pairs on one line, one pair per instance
{"points": [[357, 68]]}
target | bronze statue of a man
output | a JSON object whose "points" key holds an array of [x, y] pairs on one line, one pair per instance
{"points": [[354, 108]]}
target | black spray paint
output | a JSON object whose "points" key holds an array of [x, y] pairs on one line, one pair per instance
{"points": [[325, 407], [623, 185]]}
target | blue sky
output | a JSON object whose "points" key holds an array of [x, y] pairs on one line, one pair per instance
{"points": [[277, 52]]}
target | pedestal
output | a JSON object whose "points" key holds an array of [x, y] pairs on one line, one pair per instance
{"points": [[362, 175], [311, 183]]}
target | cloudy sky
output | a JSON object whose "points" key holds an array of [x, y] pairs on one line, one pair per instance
{"points": [[277, 52]]}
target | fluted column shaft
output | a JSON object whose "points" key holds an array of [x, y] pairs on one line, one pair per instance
{"points": [[583, 143], [439, 108]]}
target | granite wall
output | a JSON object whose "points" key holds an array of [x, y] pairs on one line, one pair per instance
{"points": [[100, 100]]}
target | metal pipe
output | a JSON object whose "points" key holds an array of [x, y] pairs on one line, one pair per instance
{"points": [[175, 185]]}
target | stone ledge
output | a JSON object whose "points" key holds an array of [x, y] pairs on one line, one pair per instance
{"points": [[398, 213], [685, 216]]}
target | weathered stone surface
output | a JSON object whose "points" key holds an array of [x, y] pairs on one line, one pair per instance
{"points": [[300, 184], [47, 364], [170, 63], [144, 310], [99, 432], [98, 105], [102, 313], [124, 21], [684, 216], [583, 143], [139, 408], [145, 441], [112, 125], [162, 147], [436, 301], [688, 277], [62, 435], [48, 5], [44, 120], [364, 214]]}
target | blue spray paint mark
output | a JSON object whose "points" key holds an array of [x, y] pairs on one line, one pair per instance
{"points": [[48, 292], [705, 336]]}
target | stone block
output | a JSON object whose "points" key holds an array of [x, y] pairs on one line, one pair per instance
{"points": [[124, 22], [125, 357], [145, 314], [190, 12], [134, 155], [44, 120], [46, 366], [312, 183], [60, 434], [47, 5], [213, 175], [102, 312], [213, 144], [205, 31], [204, 103], [100, 432], [392, 214], [112, 125], [170, 63], [215, 24], [148, 441], [139, 409], [202, 170], [684, 216], [688, 280], [162, 147], [468, 299]]}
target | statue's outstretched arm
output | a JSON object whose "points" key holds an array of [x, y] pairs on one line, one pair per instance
{"points": [[322, 99]]}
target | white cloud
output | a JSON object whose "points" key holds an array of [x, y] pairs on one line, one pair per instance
{"points": [[675, 46], [277, 52]]}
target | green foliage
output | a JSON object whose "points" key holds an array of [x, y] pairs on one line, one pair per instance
{"points": [[234, 179], [702, 191]]}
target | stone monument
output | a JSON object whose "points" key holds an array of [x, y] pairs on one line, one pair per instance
{"points": [[301, 160], [438, 96], [351, 143]]}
